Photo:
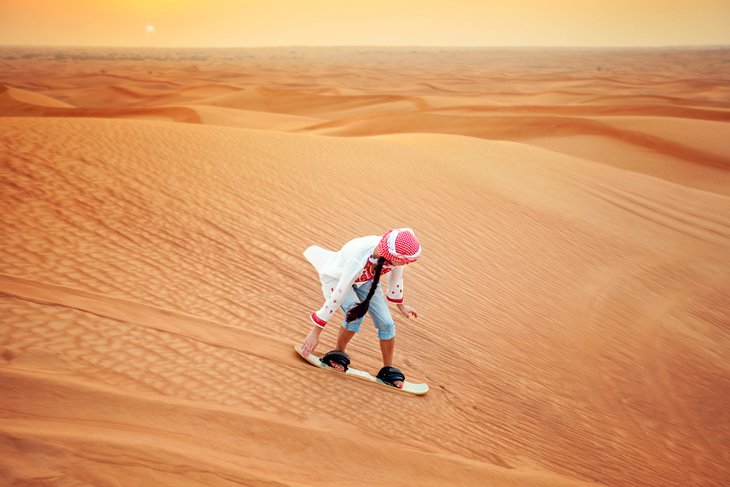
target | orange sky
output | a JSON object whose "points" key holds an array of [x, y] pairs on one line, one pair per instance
{"points": [[209, 23]]}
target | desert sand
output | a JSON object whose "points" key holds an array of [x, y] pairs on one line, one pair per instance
{"points": [[573, 295]]}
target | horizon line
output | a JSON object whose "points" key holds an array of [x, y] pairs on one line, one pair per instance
{"points": [[370, 46]]}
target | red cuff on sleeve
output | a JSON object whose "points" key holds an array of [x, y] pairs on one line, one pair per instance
{"points": [[315, 319], [395, 300]]}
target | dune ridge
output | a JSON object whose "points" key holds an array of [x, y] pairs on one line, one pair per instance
{"points": [[573, 318]]}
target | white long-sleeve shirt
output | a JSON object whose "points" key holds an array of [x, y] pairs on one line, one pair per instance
{"points": [[339, 271]]}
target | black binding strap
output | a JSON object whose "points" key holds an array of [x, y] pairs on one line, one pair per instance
{"points": [[336, 356], [390, 375]]}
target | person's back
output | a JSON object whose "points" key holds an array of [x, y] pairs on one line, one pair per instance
{"points": [[330, 265]]}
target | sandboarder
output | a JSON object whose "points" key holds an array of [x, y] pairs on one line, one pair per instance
{"points": [[350, 280]]}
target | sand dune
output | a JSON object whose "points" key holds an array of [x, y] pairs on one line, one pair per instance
{"points": [[178, 114], [572, 297], [524, 128], [238, 117], [622, 154], [13, 97]]}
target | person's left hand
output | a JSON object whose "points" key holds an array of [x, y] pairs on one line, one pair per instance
{"points": [[407, 311]]}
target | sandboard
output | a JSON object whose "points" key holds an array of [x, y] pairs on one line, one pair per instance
{"points": [[408, 387]]}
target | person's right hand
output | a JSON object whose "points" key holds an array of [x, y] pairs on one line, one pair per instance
{"points": [[310, 343]]}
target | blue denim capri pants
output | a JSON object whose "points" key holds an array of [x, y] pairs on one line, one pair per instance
{"points": [[378, 310]]}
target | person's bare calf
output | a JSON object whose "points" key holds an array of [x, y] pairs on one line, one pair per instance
{"points": [[387, 348], [343, 338]]}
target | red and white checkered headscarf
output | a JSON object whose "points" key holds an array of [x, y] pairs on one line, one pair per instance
{"points": [[400, 245]]}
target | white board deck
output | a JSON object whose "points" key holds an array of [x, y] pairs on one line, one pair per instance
{"points": [[408, 387]]}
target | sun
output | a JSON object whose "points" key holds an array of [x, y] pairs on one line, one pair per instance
{"points": [[150, 28]]}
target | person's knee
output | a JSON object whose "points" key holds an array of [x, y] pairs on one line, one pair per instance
{"points": [[386, 331], [353, 326]]}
